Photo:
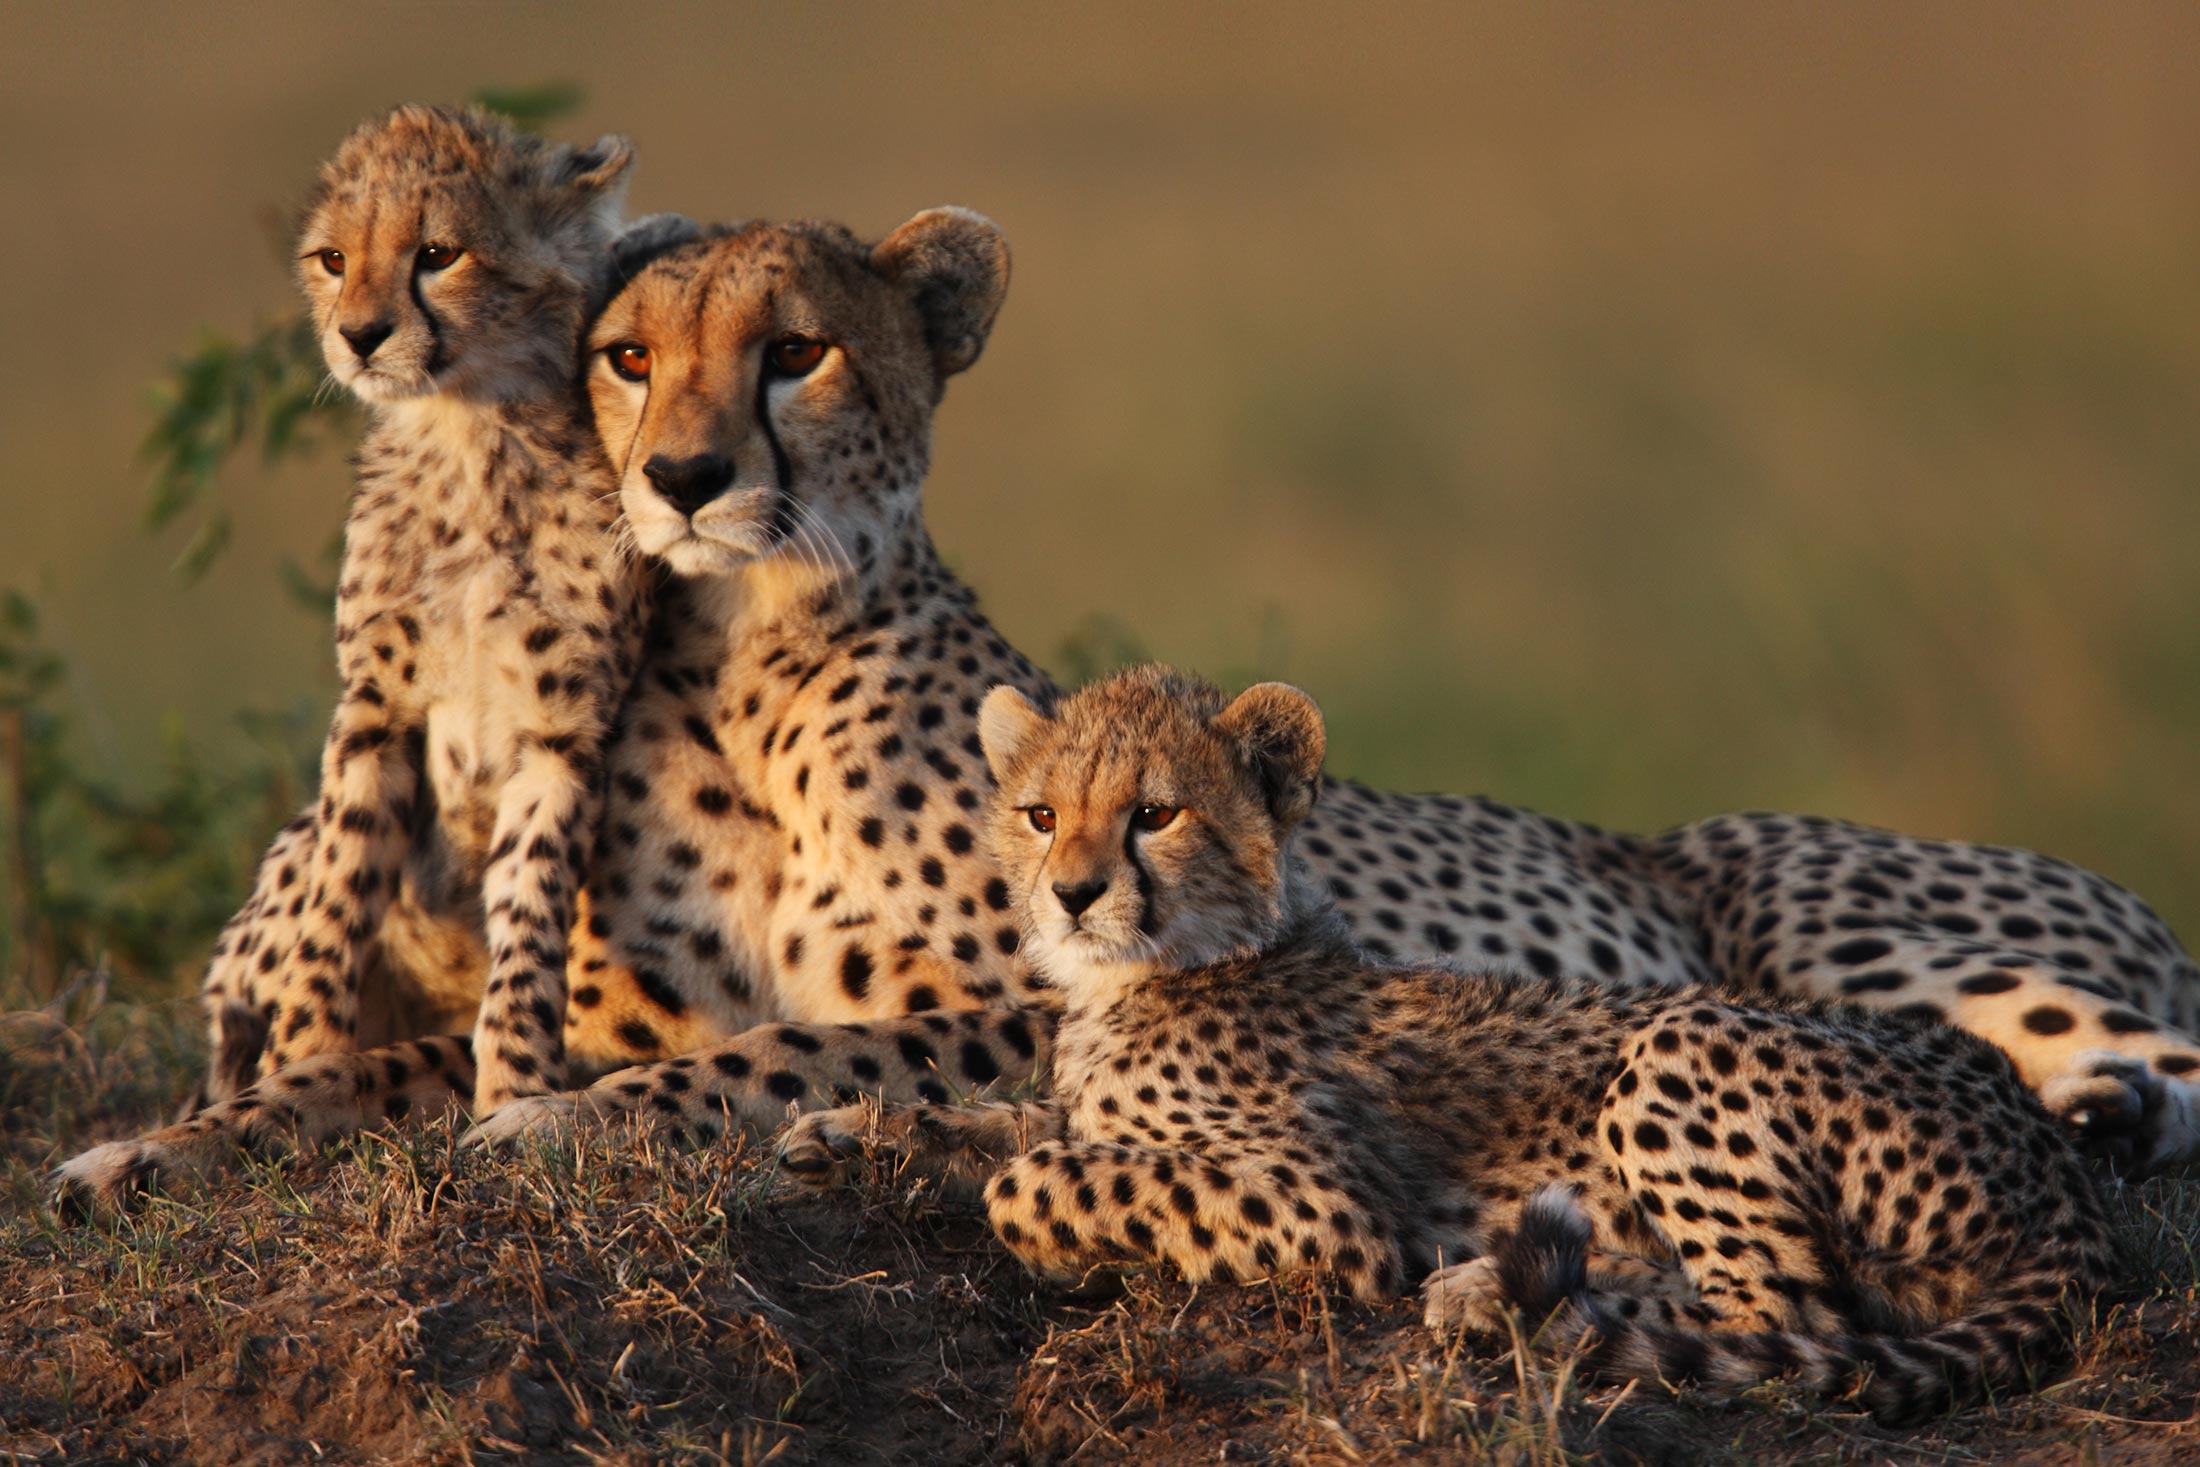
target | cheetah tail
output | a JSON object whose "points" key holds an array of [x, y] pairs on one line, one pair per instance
{"points": [[1543, 1265], [2008, 1335]]}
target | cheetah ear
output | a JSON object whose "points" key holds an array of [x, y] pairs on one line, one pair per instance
{"points": [[954, 265], [598, 168], [1278, 731], [1008, 722]]}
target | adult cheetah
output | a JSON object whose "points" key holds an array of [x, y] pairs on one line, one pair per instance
{"points": [[1873, 1202]]}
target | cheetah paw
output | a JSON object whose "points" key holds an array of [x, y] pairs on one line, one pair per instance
{"points": [[820, 1143], [529, 1116], [1466, 1296], [104, 1180], [2123, 1110]]}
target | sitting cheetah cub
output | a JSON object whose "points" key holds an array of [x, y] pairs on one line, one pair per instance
{"points": [[488, 620], [1871, 1203]]}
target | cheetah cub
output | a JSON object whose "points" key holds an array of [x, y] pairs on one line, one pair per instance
{"points": [[488, 621], [1871, 1203]]}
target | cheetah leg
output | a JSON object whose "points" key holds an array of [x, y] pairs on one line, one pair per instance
{"points": [[1066, 1208], [959, 1145], [368, 785], [312, 1101], [755, 1080], [1710, 1182], [544, 817], [254, 944], [2127, 1083]]}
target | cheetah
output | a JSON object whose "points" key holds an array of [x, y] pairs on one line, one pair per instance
{"points": [[790, 901], [488, 621], [1872, 1202]]}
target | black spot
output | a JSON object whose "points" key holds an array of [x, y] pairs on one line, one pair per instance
{"points": [[855, 972], [978, 1063], [660, 991], [2047, 1019], [1859, 950]]}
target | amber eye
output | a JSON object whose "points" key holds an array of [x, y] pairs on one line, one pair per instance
{"points": [[331, 260], [1042, 818], [439, 257], [795, 356], [1153, 817], [630, 359]]}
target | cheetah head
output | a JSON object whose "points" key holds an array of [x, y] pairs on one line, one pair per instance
{"points": [[447, 252], [1146, 823], [768, 391]]}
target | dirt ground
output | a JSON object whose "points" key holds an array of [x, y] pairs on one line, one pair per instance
{"points": [[613, 1300]]}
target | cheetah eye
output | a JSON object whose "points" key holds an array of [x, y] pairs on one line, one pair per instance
{"points": [[630, 359], [439, 256], [1153, 817], [794, 356], [1042, 818], [331, 260]]}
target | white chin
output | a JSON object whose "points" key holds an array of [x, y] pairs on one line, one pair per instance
{"points": [[692, 556], [382, 387], [1078, 947]]}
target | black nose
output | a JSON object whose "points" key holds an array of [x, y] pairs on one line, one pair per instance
{"points": [[689, 483], [364, 339], [1075, 899]]}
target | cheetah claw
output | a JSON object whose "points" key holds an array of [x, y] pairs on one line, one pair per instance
{"points": [[1465, 1296], [103, 1181], [818, 1145], [2122, 1110], [529, 1115]]}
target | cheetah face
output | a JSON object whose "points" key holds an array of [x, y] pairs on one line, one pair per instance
{"points": [[768, 391], [1146, 823], [445, 252]]}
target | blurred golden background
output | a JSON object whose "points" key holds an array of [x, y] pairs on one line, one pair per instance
{"points": [[1630, 411]]}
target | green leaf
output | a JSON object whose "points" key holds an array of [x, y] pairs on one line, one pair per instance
{"points": [[313, 594], [530, 107], [211, 538]]}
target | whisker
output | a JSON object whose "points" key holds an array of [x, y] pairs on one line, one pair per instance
{"points": [[834, 555]]}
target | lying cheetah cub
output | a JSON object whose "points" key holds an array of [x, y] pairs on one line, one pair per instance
{"points": [[1871, 1203]]}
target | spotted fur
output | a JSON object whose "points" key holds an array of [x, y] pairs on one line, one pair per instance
{"points": [[488, 622], [1871, 1202]]}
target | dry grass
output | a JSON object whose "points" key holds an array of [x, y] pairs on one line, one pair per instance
{"points": [[610, 1299]]}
